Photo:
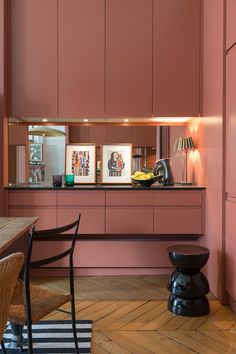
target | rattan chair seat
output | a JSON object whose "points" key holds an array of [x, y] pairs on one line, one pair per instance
{"points": [[43, 301], [9, 270]]}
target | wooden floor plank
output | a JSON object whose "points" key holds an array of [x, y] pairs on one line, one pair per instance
{"points": [[226, 337], [130, 343], [205, 339], [167, 344], [111, 345], [223, 320], [114, 316], [132, 315], [147, 317], [191, 343], [193, 323]]}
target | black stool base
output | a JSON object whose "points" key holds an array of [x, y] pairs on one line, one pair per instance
{"points": [[188, 307]]}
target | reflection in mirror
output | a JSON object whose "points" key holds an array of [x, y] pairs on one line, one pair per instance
{"points": [[46, 153], [36, 153]]}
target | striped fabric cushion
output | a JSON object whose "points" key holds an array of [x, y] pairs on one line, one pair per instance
{"points": [[51, 337]]}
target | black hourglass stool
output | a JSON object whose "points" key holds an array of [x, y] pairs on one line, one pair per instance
{"points": [[188, 286]]}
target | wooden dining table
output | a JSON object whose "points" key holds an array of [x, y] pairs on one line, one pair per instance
{"points": [[12, 228]]}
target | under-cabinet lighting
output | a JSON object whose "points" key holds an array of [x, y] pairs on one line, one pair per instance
{"points": [[126, 120], [85, 120], [171, 119], [44, 120]]}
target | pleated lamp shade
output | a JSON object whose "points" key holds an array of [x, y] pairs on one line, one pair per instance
{"points": [[184, 144]]}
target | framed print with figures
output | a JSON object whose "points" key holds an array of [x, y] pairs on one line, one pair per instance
{"points": [[81, 162], [116, 163], [36, 152]]}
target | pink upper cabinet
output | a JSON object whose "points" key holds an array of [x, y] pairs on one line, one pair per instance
{"points": [[34, 58], [129, 57], [176, 48], [231, 121], [230, 22], [81, 58]]}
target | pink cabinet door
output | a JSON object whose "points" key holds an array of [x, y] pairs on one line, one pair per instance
{"points": [[230, 22], [78, 134], [144, 136], [34, 58], [92, 218], [176, 48], [230, 249], [81, 57], [47, 215], [231, 121], [178, 220], [129, 220], [129, 57], [118, 134]]}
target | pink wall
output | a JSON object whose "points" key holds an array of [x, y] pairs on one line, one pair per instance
{"points": [[207, 132], [1, 104], [4, 89]]}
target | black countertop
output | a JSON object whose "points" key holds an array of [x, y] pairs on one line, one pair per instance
{"points": [[155, 186]]}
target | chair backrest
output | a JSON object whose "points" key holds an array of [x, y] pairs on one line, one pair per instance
{"points": [[52, 234], [10, 268]]}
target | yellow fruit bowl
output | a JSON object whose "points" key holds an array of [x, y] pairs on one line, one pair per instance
{"points": [[146, 182]]}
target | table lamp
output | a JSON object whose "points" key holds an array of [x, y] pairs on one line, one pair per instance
{"points": [[184, 144]]}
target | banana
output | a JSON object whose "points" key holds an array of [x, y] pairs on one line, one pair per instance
{"points": [[139, 175]]}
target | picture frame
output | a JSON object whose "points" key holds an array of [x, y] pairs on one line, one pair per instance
{"points": [[81, 162], [36, 152], [116, 163]]}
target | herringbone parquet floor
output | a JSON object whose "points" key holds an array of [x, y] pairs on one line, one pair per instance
{"points": [[130, 317]]}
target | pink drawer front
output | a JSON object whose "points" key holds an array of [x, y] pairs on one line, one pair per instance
{"points": [[193, 197], [27, 198], [47, 216], [92, 218], [129, 220], [178, 220], [129, 198], [79, 197]]}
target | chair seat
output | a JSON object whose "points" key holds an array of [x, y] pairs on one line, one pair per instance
{"points": [[43, 301]]}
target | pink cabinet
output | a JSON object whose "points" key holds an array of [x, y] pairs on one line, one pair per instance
{"points": [[230, 248], [34, 58], [129, 57], [118, 135], [179, 212], [129, 212], [144, 136], [91, 205], [176, 46], [81, 58], [230, 122], [34, 203], [137, 135], [230, 23]]}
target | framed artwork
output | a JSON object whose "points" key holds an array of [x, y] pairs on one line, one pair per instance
{"points": [[36, 152], [81, 162], [116, 163]]}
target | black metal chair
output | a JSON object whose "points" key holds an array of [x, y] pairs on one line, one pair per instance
{"points": [[31, 302]]}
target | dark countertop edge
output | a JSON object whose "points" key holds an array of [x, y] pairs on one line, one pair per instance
{"points": [[106, 187]]}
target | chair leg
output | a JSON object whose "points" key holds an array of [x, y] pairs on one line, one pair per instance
{"points": [[3, 347], [73, 319], [30, 340]]}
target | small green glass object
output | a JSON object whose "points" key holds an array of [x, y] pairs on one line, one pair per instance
{"points": [[70, 180]]}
